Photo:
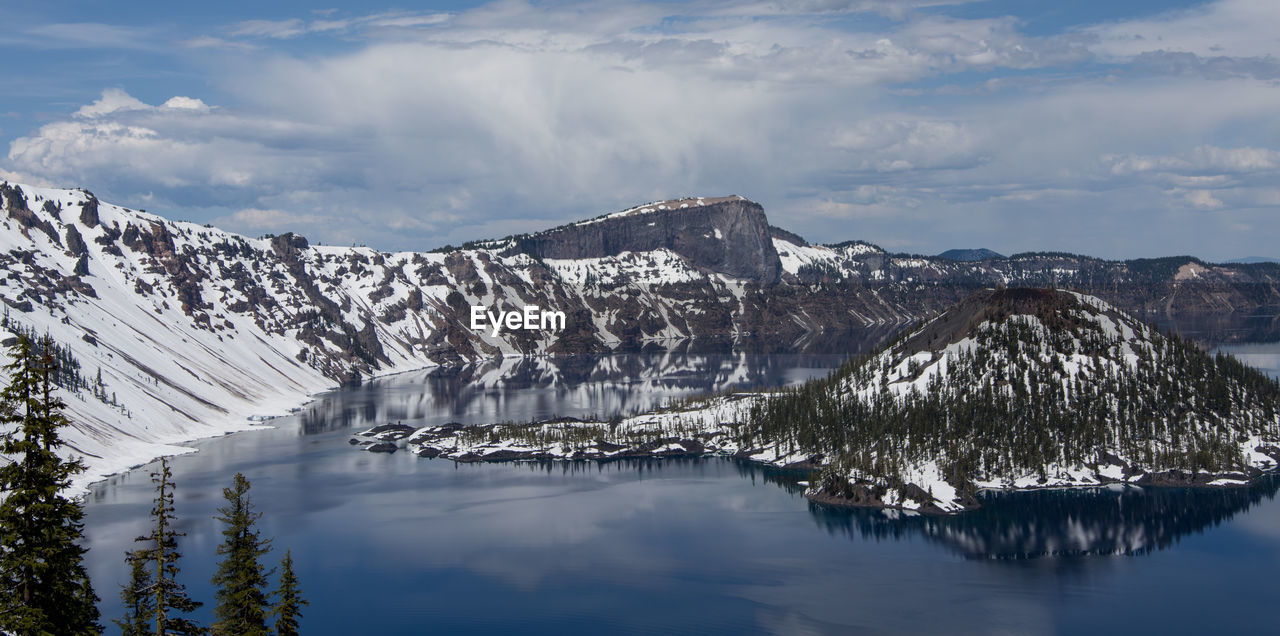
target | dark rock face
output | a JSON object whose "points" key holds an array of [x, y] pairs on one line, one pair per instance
{"points": [[729, 236], [89, 212], [16, 205], [75, 242], [790, 237]]}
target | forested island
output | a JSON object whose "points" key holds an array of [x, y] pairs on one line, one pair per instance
{"points": [[1010, 388]]}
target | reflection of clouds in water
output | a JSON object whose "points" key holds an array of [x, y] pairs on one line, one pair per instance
{"points": [[840, 598], [710, 540], [525, 531], [520, 389]]}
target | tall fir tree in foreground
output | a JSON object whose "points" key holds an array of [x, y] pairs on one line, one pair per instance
{"points": [[288, 606], [168, 598], [240, 580], [43, 584], [137, 596]]}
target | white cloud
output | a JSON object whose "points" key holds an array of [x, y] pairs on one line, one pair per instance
{"points": [[1200, 160], [179, 102], [514, 115], [181, 144], [889, 145], [1203, 199], [112, 100], [1238, 28]]}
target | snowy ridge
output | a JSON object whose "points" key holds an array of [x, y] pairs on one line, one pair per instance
{"points": [[845, 261], [1018, 354], [658, 206], [195, 330]]}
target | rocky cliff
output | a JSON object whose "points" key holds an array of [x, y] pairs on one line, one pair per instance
{"points": [[728, 235]]}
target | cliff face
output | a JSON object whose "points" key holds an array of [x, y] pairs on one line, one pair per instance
{"points": [[727, 236]]}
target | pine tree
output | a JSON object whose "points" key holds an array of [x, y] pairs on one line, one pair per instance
{"points": [[168, 596], [137, 597], [240, 580], [289, 601], [43, 584]]}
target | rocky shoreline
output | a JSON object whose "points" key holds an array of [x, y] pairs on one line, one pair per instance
{"points": [[641, 437]]}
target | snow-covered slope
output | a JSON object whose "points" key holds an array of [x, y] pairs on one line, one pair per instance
{"points": [[1009, 389], [166, 376], [1027, 388], [195, 329]]}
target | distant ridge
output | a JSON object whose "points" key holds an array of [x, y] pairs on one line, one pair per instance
{"points": [[1249, 260], [978, 254]]}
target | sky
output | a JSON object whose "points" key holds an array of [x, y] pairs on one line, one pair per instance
{"points": [[1115, 129]]}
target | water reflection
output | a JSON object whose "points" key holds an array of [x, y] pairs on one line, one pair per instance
{"points": [[851, 340], [1077, 522], [1061, 523], [1211, 330], [389, 543], [533, 388]]}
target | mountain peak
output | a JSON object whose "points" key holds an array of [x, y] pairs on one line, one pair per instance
{"points": [[989, 306], [728, 235]]}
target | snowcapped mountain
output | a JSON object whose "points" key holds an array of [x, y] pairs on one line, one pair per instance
{"points": [[187, 331], [1025, 388], [192, 329], [1009, 389]]}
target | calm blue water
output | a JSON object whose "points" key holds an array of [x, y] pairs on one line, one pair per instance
{"points": [[395, 544]]}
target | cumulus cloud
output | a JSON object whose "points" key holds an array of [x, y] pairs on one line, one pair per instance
{"points": [[185, 103], [426, 128], [112, 100]]}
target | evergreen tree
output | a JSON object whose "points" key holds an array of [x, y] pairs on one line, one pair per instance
{"points": [[240, 580], [289, 601], [168, 596], [137, 597], [43, 584]]}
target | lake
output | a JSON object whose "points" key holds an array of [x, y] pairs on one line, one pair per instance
{"points": [[396, 544]]}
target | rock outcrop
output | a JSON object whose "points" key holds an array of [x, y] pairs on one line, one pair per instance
{"points": [[728, 235]]}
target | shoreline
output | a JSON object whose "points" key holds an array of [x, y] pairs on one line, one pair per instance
{"points": [[483, 444], [249, 424], [663, 434]]}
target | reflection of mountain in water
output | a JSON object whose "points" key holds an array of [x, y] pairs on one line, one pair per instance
{"points": [[847, 341], [1061, 524], [1210, 330], [522, 389], [1058, 523]]}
